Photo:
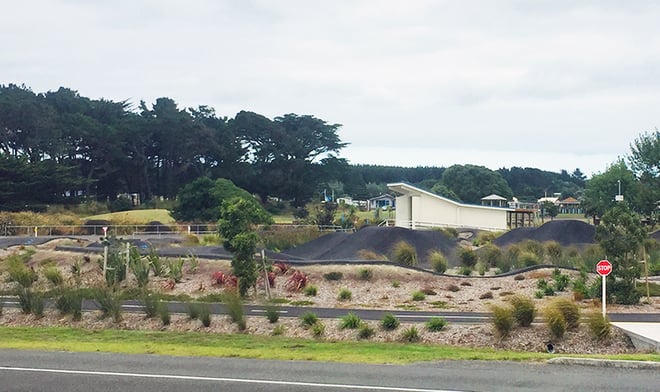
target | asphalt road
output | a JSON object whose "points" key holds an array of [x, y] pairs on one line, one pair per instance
{"points": [[57, 371]]}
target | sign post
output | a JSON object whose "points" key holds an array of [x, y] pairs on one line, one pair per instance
{"points": [[604, 268]]}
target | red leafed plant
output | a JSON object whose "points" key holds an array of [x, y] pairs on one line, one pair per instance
{"points": [[271, 279], [281, 267], [169, 284], [220, 278], [297, 281]]}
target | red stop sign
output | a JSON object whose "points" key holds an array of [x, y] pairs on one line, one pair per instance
{"points": [[604, 268]]}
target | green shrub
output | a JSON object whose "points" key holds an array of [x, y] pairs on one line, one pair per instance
{"points": [[534, 247], [345, 295], [510, 258], [140, 268], [404, 254], [157, 264], [175, 270], [538, 294], [194, 310], [410, 335], [70, 302], [205, 315], [365, 331], [37, 305], [418, 296], [541, 284], [482, 268], [560, 281], [396, 284], [278, 330], [150, 302], [53, 275], [272, 314], [528, 259], [465, 270], [389, 322], [554, 251], [555, 322], [24, 295], [19, 272], [438, 261], [502, 319], [524, 310], [350, 321], [599, 326], [491, 255], [569, 310], [365, 274], [235, 309], [164, 313], [549, 291], [109, 302], [308, 319], [467, 257], [436, 324], [318, 329], [334, 275]]}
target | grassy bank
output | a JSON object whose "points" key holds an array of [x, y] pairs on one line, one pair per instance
{"points": [[246, 346]]}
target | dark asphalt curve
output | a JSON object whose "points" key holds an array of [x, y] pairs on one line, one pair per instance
{"points": [[49, 371]]}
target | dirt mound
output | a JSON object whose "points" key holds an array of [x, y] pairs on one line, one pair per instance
{"points": [[346, 246], [565, 232]]}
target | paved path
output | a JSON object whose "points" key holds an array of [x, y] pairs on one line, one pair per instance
{"points": [[643, 335]]}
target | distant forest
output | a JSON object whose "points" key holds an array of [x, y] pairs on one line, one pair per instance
{"points": [[59, 147]]}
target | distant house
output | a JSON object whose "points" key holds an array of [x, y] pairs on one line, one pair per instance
{"points": [[494, 200], [381, 201], [569, 205], [418, 209]]}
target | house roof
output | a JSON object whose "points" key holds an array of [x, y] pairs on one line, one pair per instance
{"points": [[570, 200], [385, 196], [493, 197], [407, 189]]}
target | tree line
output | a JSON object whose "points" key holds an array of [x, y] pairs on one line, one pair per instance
{"points": [[58, 146]]}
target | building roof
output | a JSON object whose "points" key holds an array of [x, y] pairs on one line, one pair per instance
{"points": [[570, 200], [493, 197], [407, 189]]}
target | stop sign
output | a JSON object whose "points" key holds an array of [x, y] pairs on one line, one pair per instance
{"points": [[604, 268]]}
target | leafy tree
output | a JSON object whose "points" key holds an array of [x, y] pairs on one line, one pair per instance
{"points": [[550, 209], [601, 189], [620, 235], [442, 190], [201, 199], [237, 225], [644, 161], [470, 183]]}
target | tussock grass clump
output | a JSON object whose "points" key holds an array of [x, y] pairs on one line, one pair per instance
{"points": [[164, 313], [524, 309], [599, 326], [109, 302], [365, 274], [502, 319], [436, 324], [365, 331], [272, 314], [438, 261], [350, 321], [410, 335], [278, 330], [389, 322], [308, 319], [491, 255], [345, 295], [205, 315], [569, 310], [534, 247], [528, 259], [554, 251], [53, 275], [194, 310], [318, 329], [333, 276], [235, 309], [37, 305], [418, 296], [555, 321], [467, 257], [404, 254], [24, 295], [70, 302]]}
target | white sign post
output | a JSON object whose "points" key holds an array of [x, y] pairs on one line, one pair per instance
{"points": [[604, 268]]}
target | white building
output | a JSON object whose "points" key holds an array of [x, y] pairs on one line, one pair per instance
{"points": [[417, 209]]}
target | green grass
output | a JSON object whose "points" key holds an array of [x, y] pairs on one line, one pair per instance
{"points": [[264, 347], [137, 216]]}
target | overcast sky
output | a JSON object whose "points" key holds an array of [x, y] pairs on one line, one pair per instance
{"points": [[549, 84]]}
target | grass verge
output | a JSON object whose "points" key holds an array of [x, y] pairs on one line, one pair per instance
{"points": [[262, 347]]}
